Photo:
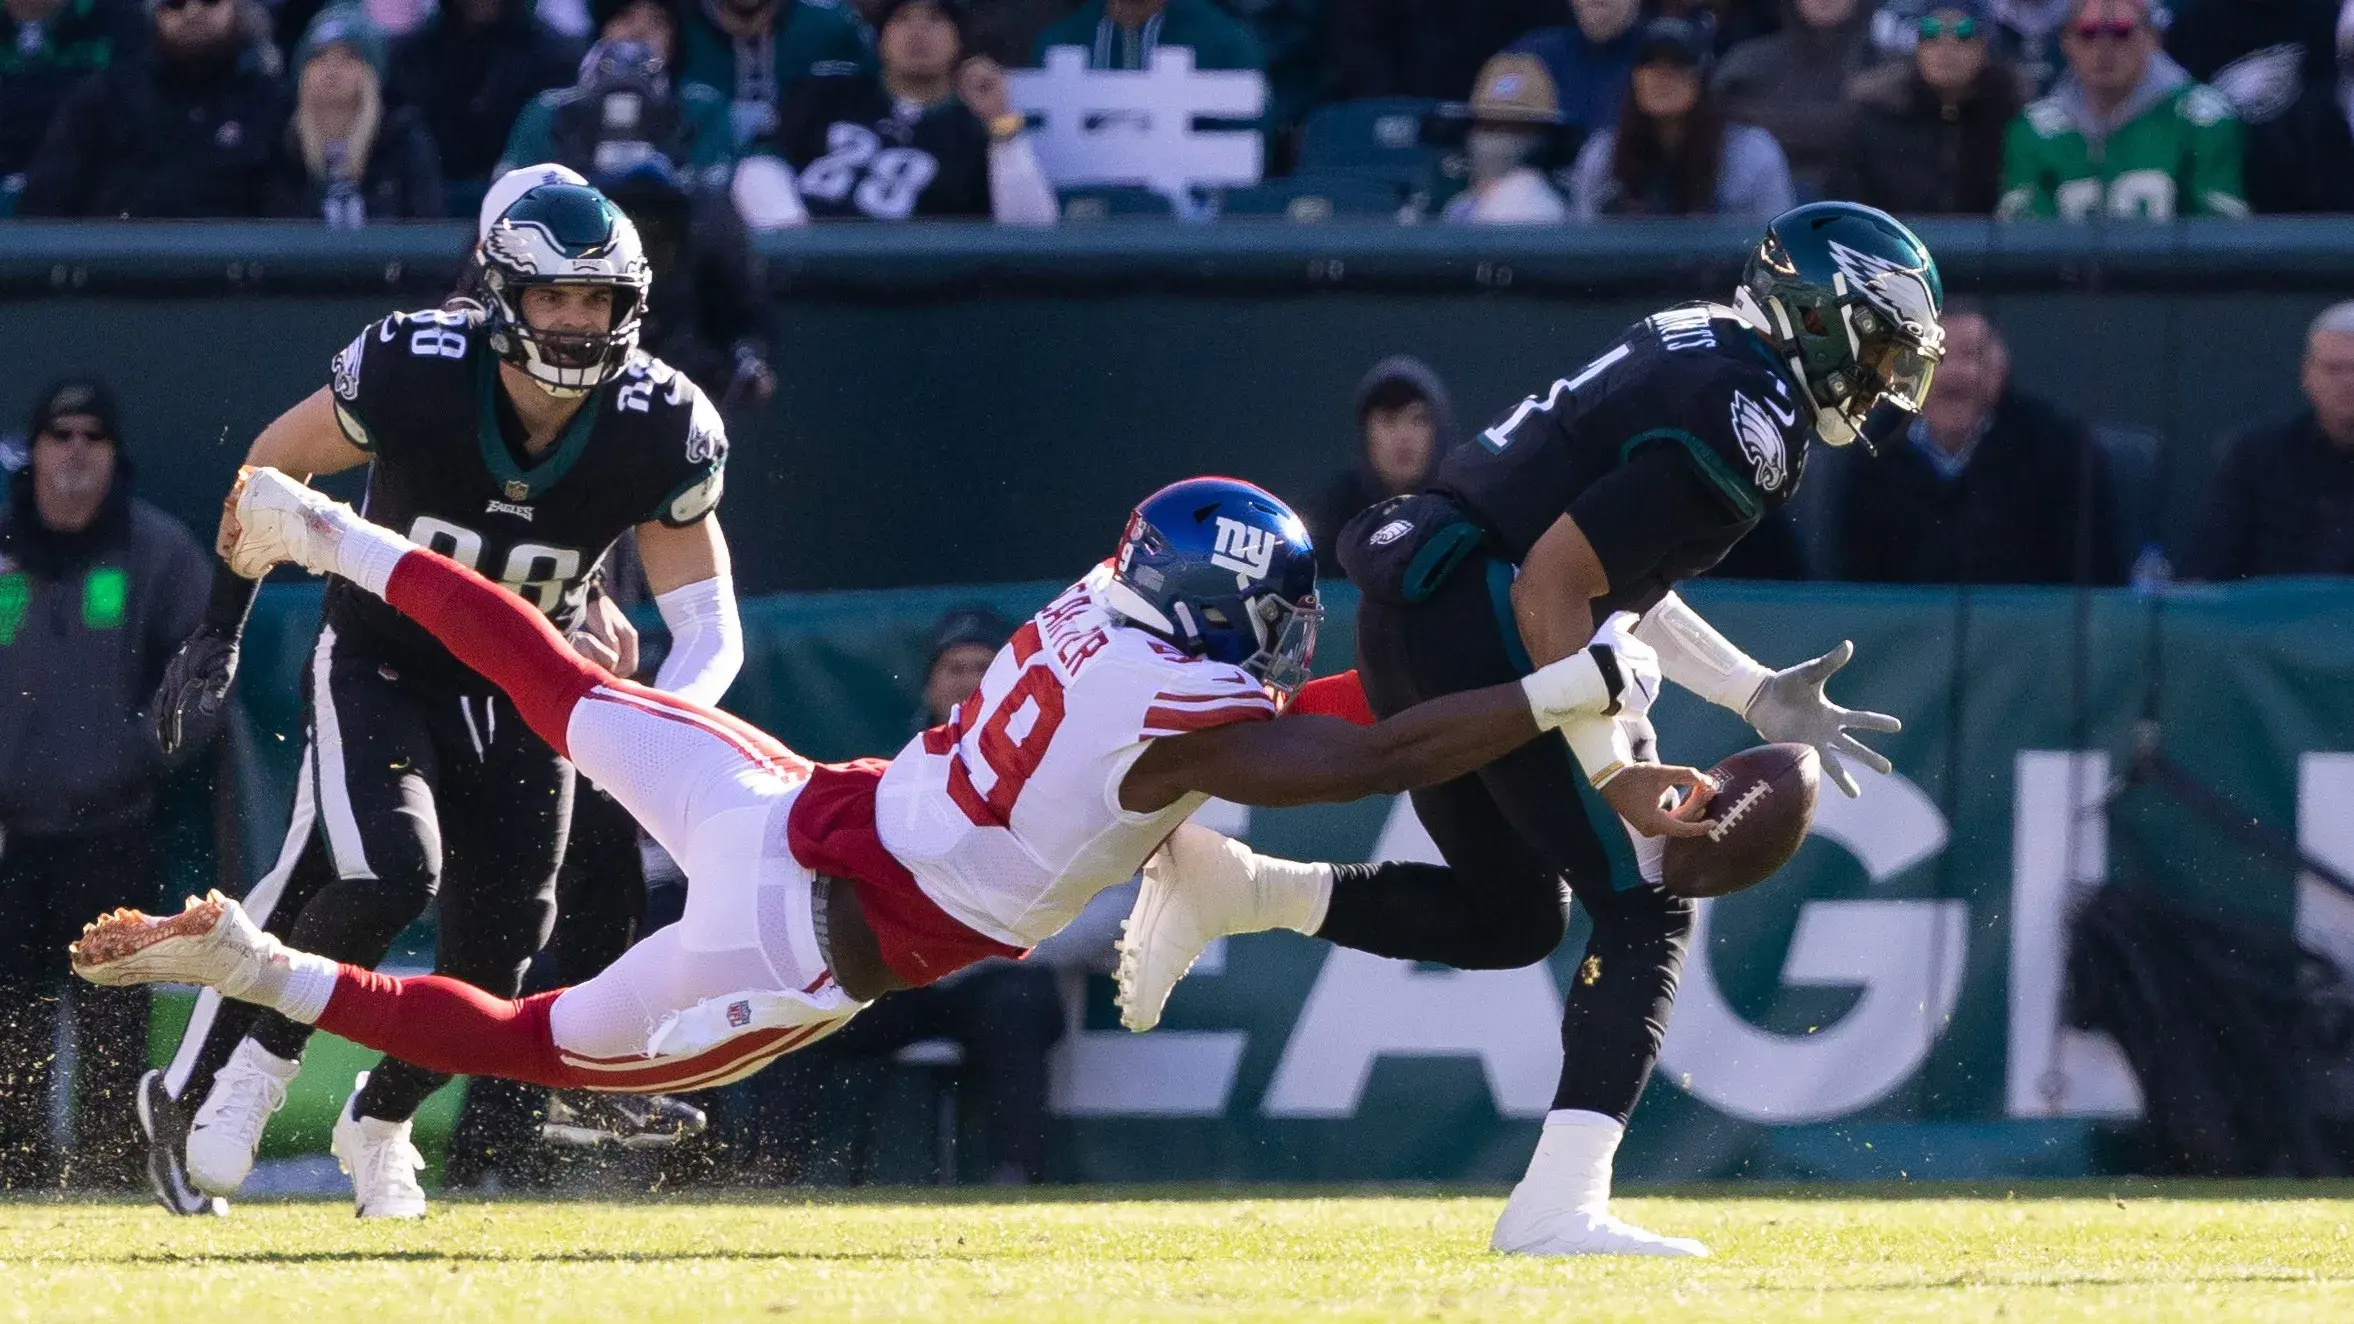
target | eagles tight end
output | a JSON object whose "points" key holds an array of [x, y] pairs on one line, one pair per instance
{"points": [[523, 433]]}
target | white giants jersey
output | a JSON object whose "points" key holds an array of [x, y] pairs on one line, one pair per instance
{"points": [[1009, 816]]}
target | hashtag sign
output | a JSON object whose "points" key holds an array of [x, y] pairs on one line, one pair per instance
{"points": [[1106, 126]]}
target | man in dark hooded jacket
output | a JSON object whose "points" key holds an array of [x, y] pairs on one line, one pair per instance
{"points": [[96, 590], [1405, 422]]}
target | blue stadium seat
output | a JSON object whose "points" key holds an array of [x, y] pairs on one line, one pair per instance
{"points": [[1121, 201], [1317, 197], [1378, 138]]}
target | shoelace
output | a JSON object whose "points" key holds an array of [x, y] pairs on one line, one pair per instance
{"points": [[248, 1095], [392, 1164]]}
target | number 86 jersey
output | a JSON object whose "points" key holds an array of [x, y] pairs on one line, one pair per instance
{"points": [[1009, 816], [420, 393]]}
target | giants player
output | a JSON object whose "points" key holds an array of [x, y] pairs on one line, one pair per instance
{"points": [[1145, 688], [522, 437]]}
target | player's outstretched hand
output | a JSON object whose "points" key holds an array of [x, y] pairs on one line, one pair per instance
{"points": [[1791, 706], [1639, 793], [195, 680]]}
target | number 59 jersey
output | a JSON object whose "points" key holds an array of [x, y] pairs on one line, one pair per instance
{"points": [[1009, 816], [420, 393]]}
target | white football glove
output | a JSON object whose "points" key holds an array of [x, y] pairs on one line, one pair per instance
{"points": [[1791, 706]]}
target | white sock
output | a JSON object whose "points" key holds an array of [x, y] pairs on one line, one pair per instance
{"points": [[1292, 895], [1575, 1153], [281, 1067], [295, 984], [366, 553]]}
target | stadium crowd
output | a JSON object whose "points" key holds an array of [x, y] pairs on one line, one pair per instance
{"points": [[1483, 111]]}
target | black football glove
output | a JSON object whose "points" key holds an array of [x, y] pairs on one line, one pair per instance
{"points": [[197, 678]]}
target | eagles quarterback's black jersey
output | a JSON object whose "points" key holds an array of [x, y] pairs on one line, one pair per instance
{"points": [[1700, 429], [420, 393], [857, 152]]}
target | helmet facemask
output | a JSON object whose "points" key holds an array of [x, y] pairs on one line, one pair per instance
{"points": [[1865, 343], [1287, 641], [521, 253]]}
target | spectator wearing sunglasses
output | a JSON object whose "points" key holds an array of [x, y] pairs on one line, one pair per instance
{"points": [[1927, 138], [189, 129], [2126, 134], [96, 589]]}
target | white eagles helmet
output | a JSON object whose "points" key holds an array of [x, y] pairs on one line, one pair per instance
{"points": [[563, 234]]}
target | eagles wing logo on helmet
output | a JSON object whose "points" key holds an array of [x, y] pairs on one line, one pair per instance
{"points": [[529, 247], [1898, 291], [1761, 442]]}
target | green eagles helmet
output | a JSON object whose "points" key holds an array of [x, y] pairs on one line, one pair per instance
{"points": [[1850, 297], [563, 234]]}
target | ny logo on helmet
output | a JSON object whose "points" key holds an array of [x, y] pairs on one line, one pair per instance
{"points": [[1896, 290], [1246, 551]]}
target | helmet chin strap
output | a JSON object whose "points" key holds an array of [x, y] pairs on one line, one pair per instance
{"points": [[1831, 424]]}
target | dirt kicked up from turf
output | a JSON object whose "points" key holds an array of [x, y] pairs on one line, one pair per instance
{"points": [[2124, 1250]]}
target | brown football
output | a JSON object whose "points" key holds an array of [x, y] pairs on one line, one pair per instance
{"points": [[1765, 802]]}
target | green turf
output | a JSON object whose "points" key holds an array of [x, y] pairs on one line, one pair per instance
{"points": [[2129, 1251]]}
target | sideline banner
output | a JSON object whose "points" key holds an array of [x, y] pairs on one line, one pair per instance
{"points": [[1888, 1006]]}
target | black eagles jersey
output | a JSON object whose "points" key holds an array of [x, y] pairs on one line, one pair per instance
{"points": [[855, 152], [420, 393], [1698, 427]]}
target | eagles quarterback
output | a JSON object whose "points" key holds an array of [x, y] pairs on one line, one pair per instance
{"points": [[1591, 499], [519, 437]]}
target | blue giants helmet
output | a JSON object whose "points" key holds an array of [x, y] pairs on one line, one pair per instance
{"points": [[1225, 571]]}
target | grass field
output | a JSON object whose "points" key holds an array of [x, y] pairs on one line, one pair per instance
{"points": [[2123, 1250]]}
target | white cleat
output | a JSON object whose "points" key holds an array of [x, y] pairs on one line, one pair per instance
{"points": [[276, 519], [211, 942], [1198, 887], [382, 1161], [1582, 1232], [226, 1132]]}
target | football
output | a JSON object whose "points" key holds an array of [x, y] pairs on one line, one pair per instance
{"points": [[1765, 802]]}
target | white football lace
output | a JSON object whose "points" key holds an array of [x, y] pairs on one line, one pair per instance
{"points": [[391, 1166], [1748, 801], [247, 1096]]}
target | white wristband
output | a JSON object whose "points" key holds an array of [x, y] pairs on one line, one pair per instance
{"points": [[1560, 692], [1602, 747]]}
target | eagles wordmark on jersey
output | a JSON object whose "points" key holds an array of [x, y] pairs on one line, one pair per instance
{"points": [[420, 393]]}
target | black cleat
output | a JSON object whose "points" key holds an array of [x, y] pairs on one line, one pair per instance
{"points": [[165, 1125], [584, 1119]]}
